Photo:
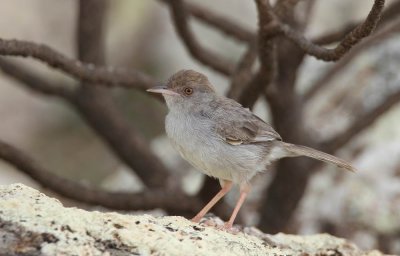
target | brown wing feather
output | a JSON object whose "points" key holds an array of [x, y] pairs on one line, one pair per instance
{"points": [[238, 125]]}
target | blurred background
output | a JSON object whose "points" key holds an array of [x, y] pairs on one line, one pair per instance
{"points": [[363, 207]]}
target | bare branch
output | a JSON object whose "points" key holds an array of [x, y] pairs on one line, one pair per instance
{"points": [[171, 201], [266, 52], [282, 7], [205, 56], [355, 36], [379, 36], [85, 72], [33, 81], [106, 120], [391, 12], [227, 26], [286, 110], [90, 30], [267, 20], [335, 36], [224, 24]]}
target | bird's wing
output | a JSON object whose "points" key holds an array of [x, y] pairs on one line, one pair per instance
{"points": [[237, 125]]}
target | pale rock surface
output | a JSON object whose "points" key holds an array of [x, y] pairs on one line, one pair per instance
{"points": [[33, 224]]}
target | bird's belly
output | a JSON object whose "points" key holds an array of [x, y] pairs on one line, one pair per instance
{"points": [[200, 154], [211, 155]]}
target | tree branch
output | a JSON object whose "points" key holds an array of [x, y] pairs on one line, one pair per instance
{"points": [[146, 200], [33, 81], [284, 7], [391, 12], [205, 56], [351, 39], [335, 36], [291, 175], [102, 114], [266, 53], [225, 25], [107, 121], [387, 31], [85, 72]]}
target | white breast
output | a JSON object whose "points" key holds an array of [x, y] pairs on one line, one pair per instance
{"points": [[188, 136]]}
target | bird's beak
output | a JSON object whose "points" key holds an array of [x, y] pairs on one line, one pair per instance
{"points": [[162, 89]]}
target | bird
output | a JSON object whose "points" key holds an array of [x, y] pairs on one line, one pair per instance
{"points": [[222, 139]]}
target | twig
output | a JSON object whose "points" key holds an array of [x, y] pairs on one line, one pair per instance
{"points": [[85, 72], [33, 81], [105, 120], [266, 53], [283, 7], [391, 12], [224, 24], [205, 56], [227, 26], [171, 201], [351, 39], [379, 36], [334, 36]]}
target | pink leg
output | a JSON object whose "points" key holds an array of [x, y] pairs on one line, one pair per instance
{"points": [[244, 191], [227, 185]]}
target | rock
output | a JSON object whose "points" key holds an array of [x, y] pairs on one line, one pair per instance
{"points": [[33, 224]]}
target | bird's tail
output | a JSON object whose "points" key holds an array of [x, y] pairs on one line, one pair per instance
{"points": [[293, 150]]}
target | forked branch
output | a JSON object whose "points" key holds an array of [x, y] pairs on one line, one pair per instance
{"points": [[205, 56], [86, 72], [391, 12], [385, 32], [351, 39]]}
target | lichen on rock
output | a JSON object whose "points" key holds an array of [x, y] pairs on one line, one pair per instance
{"points": [[34, 224]]}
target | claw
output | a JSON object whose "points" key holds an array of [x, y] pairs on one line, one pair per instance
{"points": [[227, 227]]}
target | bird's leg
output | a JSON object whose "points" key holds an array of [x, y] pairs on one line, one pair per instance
{"points": [[226, 186], [244, 191]]}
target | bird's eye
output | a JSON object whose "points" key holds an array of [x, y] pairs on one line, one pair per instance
{"points": [[188, 91]]}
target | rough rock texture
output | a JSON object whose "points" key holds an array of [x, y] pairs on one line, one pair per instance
{"points": [[34, 224]]}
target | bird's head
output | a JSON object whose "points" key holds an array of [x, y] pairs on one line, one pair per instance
{"points": [[185, 89]]}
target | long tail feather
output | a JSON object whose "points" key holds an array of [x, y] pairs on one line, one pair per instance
{"points": [[298, 150]]}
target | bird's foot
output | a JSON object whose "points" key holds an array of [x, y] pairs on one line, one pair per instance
{"points": [[210, 223], [227, 227], [196, 219], [217, 224]]}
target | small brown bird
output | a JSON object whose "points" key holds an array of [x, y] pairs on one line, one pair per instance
{"points": [[222, 139]]}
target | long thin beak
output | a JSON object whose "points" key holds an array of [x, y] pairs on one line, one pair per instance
{"points": [[162, 89]]}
